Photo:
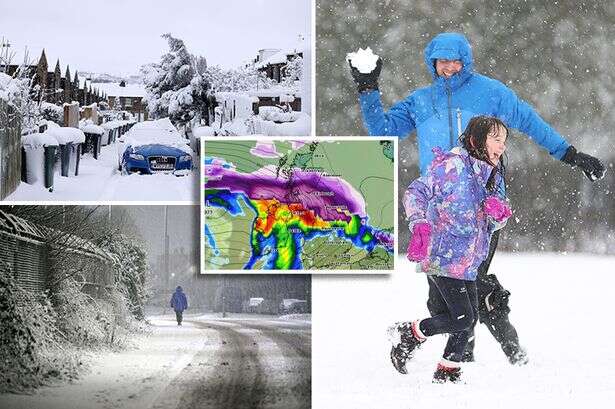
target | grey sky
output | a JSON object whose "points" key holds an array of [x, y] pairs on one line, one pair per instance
{"points": [[118, 36], [183, 226]]}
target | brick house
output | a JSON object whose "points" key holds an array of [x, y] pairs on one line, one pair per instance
{"points": [[129, 96]]}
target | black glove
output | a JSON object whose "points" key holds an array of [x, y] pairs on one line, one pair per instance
{"points": [[369, 81], [591, 166]]}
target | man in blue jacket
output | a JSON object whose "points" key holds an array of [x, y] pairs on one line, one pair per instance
{"points": [[439, 113], [179, 303]]}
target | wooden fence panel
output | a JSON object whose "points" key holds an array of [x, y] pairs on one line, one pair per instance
{"points": [[10, 150]]}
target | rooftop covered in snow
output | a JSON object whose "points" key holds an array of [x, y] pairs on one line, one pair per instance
{"points": [[270, 56]]}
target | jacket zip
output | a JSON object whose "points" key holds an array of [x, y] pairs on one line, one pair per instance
{"points": [[449, 95]]}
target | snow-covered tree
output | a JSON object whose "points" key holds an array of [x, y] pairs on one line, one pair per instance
{"points": [[236, 80], [200, 64], [293, 72], [169, 84]]}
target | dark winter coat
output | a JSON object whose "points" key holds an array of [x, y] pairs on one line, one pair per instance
{"points": [[179, 302], [441, 111]]}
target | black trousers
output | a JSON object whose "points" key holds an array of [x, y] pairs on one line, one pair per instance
{"points": [[495, 320], [454, 308], [179, 316]]}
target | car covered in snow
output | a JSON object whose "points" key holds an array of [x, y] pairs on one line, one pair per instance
{"points": [[154, 146], [293, 306]]}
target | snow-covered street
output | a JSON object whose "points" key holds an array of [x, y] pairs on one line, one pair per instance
{"points": [[561, 306], [100, 180], [208, 362]]}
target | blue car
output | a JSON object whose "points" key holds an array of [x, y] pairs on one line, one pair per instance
{"points": [[155, 146]]}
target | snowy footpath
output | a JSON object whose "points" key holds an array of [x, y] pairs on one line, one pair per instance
{"points": [[100, 180], [208, 362], [562, 308]]}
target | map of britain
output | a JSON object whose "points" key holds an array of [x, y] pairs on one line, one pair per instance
{"points": [[298, 205]]}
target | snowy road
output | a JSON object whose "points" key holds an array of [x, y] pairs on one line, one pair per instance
{"points": [[99, 180], [248, 362]]}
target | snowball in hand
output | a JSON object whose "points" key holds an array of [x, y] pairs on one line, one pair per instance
{"points": [[363, 60]]}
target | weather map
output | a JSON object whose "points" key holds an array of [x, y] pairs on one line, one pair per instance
{"points": [[319, 204]]}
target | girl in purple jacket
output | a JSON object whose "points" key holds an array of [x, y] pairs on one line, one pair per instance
{"points": [[452, 211]]}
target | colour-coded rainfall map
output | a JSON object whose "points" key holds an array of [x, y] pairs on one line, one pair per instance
{"points": [[289, 204]]}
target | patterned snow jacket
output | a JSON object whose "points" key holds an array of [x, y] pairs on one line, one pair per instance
{"points": [[441, 111], [450, 199]]}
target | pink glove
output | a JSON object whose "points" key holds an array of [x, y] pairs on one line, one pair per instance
{"points": [[497, 208], [417, 248]]}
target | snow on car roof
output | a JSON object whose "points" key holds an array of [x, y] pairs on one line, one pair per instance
{"points": [[164, 123], [160, 132], [287, 302], [256, 301]]}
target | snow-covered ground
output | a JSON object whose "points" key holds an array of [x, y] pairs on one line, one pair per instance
{"points": [[100, 180], [561, 306], [208, 362]]}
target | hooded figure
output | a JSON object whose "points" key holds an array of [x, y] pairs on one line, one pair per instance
{"points": [[442, 110], [179, 303]]}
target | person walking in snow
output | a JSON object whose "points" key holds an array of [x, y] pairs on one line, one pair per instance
{"points": [[453, 210], [179, 303], [438, 113]]}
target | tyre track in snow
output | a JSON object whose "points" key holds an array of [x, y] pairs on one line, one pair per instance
{"points": [[294, 342], [234, 379], [291, 335], [251, 365]]}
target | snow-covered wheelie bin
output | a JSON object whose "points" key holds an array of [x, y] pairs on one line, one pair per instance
{"points": [[39, 152], [69, 141]]}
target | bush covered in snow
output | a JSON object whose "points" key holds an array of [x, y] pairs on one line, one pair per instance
{"points": [[17, 93], [52, 112], [43, 336], [82, 319], [276, 114], [32, 348], [130, 269]]}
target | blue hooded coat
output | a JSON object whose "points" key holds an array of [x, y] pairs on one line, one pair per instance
{"points": [[178, 300], [441, 111]]}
